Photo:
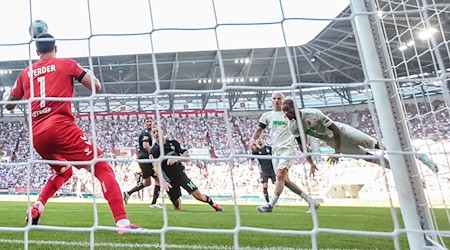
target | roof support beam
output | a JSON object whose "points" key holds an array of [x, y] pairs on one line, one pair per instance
{"points": [[297, 73], [205, 100], [173, 81], [345, 45], [100, 72], [334, 67], [308, 59], [323, 49], [244, 71], [270, 68], [261, 96], [138, 83], [212, 74], [320, 48]]}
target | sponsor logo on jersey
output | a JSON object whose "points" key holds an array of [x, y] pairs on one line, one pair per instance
{"points": [[88, 151], [279, 123], [45, 110]]}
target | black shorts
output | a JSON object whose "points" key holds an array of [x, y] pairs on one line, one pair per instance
{"points": [[265, 177], [147, 168], [178, 181]]}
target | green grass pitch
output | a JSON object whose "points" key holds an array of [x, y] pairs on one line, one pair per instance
{"points": [[203, 216]]}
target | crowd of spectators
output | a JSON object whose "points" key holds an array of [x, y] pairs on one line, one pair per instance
{"points": [[222, 136]]}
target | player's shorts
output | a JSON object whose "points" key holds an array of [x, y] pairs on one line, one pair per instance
{"points": [[353, 141], [138, 177], [147, 170], [265, 177], [283, 163], [147, 167], [65, 141], [183, 181]]}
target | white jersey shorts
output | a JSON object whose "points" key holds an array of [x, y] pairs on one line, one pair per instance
{"points": [[283, 163], [353, 141]]}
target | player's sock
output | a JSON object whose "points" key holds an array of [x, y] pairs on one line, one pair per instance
{"points": [[307, 197], [136, 188], [209, 200], [273, 201], [214, 205], [53, 184], [126, 224], [378, 161], [266, 194], [111, 190], [123, 223], [156, 194], [41, 206], [176, 204], [425, 159]]}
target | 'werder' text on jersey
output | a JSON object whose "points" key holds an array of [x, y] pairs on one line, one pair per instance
{"points": [[51, 77]]}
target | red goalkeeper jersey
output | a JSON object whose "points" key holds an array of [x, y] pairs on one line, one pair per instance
{"points": [[52, 77]]}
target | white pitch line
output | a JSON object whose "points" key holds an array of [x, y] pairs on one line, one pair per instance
{"points": [[148, 246], [209, 212]]}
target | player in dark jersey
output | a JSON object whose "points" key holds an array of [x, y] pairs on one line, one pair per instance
{"points": [[144, 144], [55, 134], [173, 171], [265, 165]]}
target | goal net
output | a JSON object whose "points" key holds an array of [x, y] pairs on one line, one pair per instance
{"points": [[206, 70]]}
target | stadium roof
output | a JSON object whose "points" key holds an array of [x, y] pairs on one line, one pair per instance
{"points": [[331, 57], [164, 26]]}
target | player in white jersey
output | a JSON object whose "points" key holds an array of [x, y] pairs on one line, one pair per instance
{"points": [[342, 137], [283, 145]]}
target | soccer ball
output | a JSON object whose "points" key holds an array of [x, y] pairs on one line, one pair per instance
{"points": [[38, 27]]}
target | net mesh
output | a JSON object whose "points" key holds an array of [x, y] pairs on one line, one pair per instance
{"points": [[417, 40]]}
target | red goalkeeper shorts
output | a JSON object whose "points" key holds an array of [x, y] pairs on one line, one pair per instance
{"points": [[65, 141]]}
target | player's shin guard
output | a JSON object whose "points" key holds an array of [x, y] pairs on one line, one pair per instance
{"points": [[156, 194], [111, 190], [209, 200], [177, 204], [213, 204], [425, 159], [307, 198], [138, 187], [273, 201], [266, 194], [53, 184]]}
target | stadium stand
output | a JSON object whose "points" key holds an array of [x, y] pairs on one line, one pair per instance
{"points": [[208, 130]]}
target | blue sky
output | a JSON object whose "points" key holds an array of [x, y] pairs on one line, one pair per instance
{"points": [[76, 19]]}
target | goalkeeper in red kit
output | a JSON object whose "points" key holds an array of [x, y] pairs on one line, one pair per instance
{"points": [[55, 134]]}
